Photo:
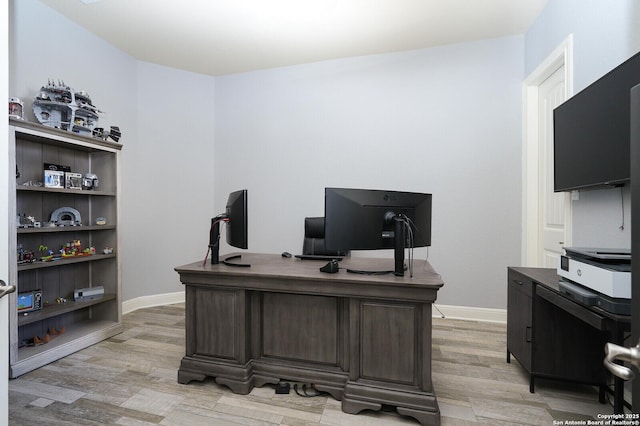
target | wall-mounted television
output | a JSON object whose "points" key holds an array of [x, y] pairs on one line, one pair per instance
{"points": [[591, 132]]}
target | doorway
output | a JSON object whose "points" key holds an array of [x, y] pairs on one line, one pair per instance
{"points": [[546, 216]]}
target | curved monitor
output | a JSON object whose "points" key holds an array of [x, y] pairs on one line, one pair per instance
{"points": [[236, 219], [368, 219]]}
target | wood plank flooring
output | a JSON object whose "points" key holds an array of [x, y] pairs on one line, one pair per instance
{"points": [[131, 379]]}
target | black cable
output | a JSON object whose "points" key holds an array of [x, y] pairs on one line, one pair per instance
{"points": [[316, 391], [304, 390], [216, 220], [408, 227], [621, 227]]}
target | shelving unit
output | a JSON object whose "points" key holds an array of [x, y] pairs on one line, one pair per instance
{"points": [[85, 322]]}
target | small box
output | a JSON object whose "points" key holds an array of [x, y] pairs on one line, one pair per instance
{"points": [[73, 180], [89, 293], [58, 167], [29, 301], [53, 179]]}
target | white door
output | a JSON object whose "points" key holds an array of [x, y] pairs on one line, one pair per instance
{"points": [[546, 217], [551, 206]]}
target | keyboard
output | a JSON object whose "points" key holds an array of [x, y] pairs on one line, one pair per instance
{"points": [[317, 257]]}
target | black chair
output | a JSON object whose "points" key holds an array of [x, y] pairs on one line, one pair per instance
{"points": [[313, 243]]}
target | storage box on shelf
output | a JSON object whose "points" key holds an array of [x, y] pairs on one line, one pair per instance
{"points": [[62, 325]]}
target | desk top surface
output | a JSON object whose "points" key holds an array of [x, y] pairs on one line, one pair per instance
{"points": [[276, 266]]}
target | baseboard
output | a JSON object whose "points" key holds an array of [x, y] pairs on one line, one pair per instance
{"points": [[470, 313], [449, 311], [153, 300]]}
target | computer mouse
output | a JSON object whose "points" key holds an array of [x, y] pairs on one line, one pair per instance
{"points": [[331, 267], [286, 254]]}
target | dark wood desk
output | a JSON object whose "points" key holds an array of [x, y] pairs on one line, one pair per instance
{"points": [[364, 339], [556, 337]]}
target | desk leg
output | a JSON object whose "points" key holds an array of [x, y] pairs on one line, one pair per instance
{"points": [[618, 383], [602, 394], [532, 384], [618, 396]]}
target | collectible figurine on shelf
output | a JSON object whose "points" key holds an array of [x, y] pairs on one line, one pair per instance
{"points": [[72, 249], [25, 256], [25, 221], [16, 107], [47, 255]]}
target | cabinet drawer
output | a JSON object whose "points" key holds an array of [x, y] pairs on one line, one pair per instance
{"points": [[520, 282], [571, 307]]}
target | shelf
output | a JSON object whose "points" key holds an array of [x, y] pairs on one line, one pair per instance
{"points": [[75, 338], [64, 191], [54, 309], [86, 322], [55, 229], [64, 261], [51, 136]]}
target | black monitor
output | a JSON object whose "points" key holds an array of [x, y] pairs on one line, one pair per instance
{"points": [[368, 219], [236, 219]]}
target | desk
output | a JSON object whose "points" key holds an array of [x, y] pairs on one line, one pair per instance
{"points": [[556, 337], [364, 339]]}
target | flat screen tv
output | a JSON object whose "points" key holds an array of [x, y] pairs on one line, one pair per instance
{"points": [[591, 132]]}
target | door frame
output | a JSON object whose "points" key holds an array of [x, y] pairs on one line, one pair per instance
{"points": [[4, 218], [561, 56]]}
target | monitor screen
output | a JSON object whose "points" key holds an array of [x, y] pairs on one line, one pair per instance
{"points": [[591, 132], [237, 220], [368, 219]]}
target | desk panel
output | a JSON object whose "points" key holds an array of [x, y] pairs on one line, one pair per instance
{"points": [[388, 342], [300, 327]]}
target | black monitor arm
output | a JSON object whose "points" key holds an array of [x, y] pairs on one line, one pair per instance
{"points": [[398, 250], [214, 237], [399, 223]]}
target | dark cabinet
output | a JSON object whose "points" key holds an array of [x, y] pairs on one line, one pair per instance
{"points": [[519, 318], [567, 346], [555, 337]]}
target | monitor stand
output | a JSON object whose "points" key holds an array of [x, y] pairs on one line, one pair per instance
{"points": [[214, 245], [398, 251], [237, 256]]}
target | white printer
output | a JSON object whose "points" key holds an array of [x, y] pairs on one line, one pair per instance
{"points": [[603, 277]]}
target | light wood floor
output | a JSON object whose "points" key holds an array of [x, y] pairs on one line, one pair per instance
{"points": [[131, 379]]}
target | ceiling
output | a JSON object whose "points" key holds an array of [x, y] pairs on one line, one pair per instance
{"points": [[218, 37]]}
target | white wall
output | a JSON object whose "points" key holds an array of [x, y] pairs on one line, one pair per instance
{"points": [[445, 121], [605, 34], [167, 179], [166, 118], [453, 113], [44, 45]]}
